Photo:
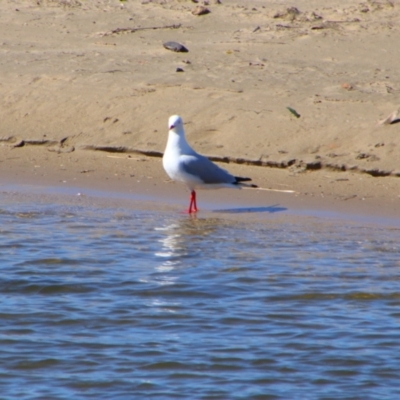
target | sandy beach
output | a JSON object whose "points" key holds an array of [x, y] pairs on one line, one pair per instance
{"points": [[302, 98]]}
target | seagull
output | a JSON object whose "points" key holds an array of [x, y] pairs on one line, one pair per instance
{"points": [[183, 164]]}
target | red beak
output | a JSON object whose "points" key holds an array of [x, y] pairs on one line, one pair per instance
{"points": [[172, 127]]}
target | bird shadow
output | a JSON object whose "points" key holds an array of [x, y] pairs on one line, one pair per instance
{"points": [[244, 210]]}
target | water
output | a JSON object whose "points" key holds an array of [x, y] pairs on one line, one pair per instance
{"points": [[112, 302]]}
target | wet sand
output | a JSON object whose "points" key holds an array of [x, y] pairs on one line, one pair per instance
{"points": [[142, 181]]}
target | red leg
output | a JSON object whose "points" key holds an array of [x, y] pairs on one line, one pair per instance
{"points": [[194, 201], [192, 205]]}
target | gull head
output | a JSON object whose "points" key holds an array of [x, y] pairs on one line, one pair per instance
{"points": [[175, 123]]}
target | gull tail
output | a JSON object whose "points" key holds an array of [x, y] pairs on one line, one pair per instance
{"points": [[239, 180]]}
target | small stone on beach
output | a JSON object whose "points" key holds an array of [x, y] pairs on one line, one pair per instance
{"points": [[347, 86], [175, 46], [200, 10]]}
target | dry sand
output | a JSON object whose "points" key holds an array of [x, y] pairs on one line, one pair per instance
{"points": [[76, 76]]}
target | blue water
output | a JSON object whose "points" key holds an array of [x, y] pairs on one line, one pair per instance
{"points": [[113, 302]]}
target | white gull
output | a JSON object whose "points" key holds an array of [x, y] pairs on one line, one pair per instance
{"points": [[183, 164]]}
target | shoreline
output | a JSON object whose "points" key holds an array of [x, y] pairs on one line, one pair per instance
{"points": [[341, 195]]}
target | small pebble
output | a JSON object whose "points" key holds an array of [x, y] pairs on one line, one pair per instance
{"points": [[347, 86], [175, 46], [200, 10]]}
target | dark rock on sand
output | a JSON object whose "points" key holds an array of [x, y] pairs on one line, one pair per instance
{"points": [[175, 46]]}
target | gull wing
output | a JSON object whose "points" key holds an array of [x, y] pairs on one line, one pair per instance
{"points": [[205, 170]]}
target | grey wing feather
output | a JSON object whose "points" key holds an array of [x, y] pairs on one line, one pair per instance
{"points": [[206, 170]]}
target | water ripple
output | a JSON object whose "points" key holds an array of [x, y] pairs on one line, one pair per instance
{"points": [[111, 303]]}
